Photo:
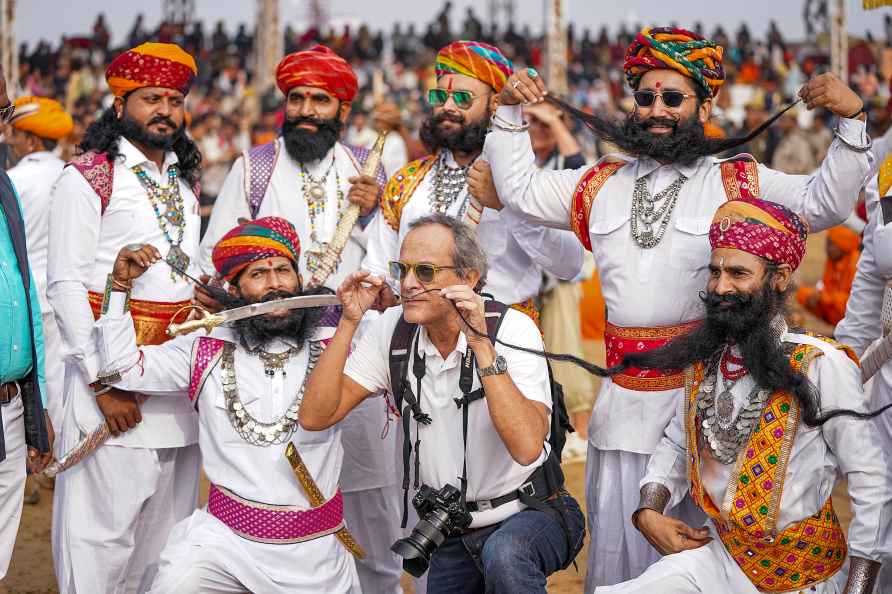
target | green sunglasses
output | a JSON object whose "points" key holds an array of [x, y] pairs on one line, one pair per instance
{"points": [[425, 272], [462, 99]]}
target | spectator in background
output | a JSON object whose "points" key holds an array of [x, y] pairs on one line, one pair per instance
{"points": [[387, 118], [359, 133], [101, 34], [794, 152], [827, 300]]}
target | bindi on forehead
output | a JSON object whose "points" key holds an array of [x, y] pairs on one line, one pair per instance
{"points": [[658, 85], [449, 87]]}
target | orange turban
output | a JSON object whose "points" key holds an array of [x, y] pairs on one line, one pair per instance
{"points": [[844, 238], [151, 65], [42, 117], [317, 67]]}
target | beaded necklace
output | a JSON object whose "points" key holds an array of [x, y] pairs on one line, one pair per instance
{"points": [[316, 197], [167, 202]]}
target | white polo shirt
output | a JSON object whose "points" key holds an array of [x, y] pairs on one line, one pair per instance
{"points": [[492, 472]]}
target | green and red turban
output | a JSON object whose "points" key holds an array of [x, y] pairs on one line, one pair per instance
{"points": [[762, 228], [475, 59], [151, 65], [268, 237], [671, 48], [317, 67]]}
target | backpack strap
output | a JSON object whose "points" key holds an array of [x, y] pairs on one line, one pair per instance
{"points": [[206, 352], [99, 173], [740, 177], [359, 156], [400, 188], [584, 196], [260, 162]]}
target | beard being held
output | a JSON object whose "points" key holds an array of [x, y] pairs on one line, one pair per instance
{"points": [[466, 139], [305, 146], [294, 326]]}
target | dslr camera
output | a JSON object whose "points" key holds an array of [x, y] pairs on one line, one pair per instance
{"points": [[441, 513]]}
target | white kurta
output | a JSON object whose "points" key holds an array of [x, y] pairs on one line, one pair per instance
{"points": [[657, 286], [517, 251], [33, 178], [843, 447], [201, 547]]}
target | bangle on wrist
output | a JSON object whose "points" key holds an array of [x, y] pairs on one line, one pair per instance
{"points": [[101, 391], [7, 112], [654, 496], [113, 284], [857, 113]]}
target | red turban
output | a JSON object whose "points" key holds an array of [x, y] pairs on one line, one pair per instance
{"points": [[252, 241], [151, 65], [761, 228], [317, 67]]}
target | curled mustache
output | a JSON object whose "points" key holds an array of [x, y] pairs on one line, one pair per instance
{"points": [[714, 300]]}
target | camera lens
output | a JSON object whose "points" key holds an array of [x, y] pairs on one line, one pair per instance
{"points": [[417, 548]]}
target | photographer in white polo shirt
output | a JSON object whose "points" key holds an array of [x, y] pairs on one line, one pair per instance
{"points": [[501, 545]]}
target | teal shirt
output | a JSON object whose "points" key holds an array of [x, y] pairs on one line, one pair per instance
{"points": [[15, 342]]}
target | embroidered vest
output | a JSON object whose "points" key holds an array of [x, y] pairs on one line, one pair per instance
{"points": [[740, 178], [805, 552], [260, 162], [400, 188], [206, 353]]}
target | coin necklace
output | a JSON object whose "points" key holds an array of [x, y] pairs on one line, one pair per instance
{"points": [[253, 431], [448, 184], [316, 197], [273, 362], [646, 211], [167, 202]]}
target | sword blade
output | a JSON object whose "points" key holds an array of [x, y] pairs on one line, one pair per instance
{"points": [[259, 309], [876, 358]]}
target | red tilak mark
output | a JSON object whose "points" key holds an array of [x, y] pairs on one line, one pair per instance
{"points": [[658, 86], [449, 88]]}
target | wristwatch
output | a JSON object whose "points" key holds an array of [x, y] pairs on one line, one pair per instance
{"points": [[498, 367]]}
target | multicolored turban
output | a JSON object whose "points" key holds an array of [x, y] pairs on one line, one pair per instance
{"points": [[475, 59], [761, 228], [675, 49], [42, 117], [268, 237], [319, 67], [151, 65]]}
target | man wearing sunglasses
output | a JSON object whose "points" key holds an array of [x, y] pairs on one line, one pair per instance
{"points": [[498, 447], [469, 76], [645, 216]]}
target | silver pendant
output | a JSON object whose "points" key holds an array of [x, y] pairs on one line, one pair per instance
{"points": [[178, 260], [724, 406], [316, 191]]}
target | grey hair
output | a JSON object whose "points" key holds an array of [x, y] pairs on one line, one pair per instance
{"points": [[466, 251]]}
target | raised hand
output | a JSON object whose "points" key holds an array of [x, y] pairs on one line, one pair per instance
{"points": [[523, 87], [358, 293], [364, 192], [133, 260], [668, 535], [470, 304], [828, 91]]}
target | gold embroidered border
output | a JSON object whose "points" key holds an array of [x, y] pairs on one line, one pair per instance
{"points": [[649, 384], [654, 332], [584, 196], [401, 187]]}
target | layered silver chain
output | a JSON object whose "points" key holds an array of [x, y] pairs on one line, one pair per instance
{"points": [[448, 184], [648, 211], [253, 431]]}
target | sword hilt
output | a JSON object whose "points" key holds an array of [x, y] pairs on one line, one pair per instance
{"points": [[206, 322]]}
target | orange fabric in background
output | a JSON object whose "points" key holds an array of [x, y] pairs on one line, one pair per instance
{"points": [[592, 310], [837, 279]]}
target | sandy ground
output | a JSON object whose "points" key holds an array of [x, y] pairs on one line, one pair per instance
{"points": [[31, 570]]}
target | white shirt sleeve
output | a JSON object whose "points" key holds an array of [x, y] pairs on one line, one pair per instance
{"points": [[668, 464], [555, 251], [382, 247], [827, 197], [75, 221], [230, 206], [529, 372], [369, 365], [543, 196]]}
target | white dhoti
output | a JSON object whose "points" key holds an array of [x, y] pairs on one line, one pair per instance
{"points": [[617, 551], [12, 478], [204, 555], [112, 514], [54, 367]]}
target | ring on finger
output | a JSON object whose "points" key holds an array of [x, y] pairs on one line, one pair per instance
{"points": [[515, 83], [134, 247], [532, 72]]}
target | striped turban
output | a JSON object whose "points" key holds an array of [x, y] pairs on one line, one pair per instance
{"points": [[676, 49], [43, 117], [251, 241], [317, 67], [151, 65], [475, 59], [762, 228]]}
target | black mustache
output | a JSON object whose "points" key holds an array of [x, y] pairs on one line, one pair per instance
{"points": [[162, 120], [658, 121], [447, 116], [307, 120], [710, 299]]}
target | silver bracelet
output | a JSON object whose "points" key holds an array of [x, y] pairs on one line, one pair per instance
{"points": [[7, 112], [501, 123], [862, 575], [855, 147], [102, 391], [653, 496]]}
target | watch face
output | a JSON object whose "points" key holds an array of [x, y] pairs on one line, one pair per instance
{"points": [[500, 364]]}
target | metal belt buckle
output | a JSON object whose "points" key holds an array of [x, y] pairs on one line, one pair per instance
{"points": [[484, 505], [528, 489]]}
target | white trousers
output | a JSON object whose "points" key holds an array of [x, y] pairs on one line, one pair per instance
{"points": [[617, 552], [12, 479], [112, 514], [373, 516], [54, 372]]}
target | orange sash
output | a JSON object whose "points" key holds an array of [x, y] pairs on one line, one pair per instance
{"points": [[150, 318]]}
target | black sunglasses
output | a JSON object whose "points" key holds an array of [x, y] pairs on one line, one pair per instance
{"points": [[670, 98]]}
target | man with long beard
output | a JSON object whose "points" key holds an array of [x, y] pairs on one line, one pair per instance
{"points": [[261, 531], [771, 419], [133, 183], [645, 218], [309, 178]]}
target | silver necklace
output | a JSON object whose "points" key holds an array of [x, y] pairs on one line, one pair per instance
{"points": [[726, 435], [448, 184], [648, 210], [273, 362], [253, 431], [316, 197]]}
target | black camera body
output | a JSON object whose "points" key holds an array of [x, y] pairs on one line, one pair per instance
{"points": [[441, 513]]}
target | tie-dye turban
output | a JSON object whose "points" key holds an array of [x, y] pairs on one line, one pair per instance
{"points": [[42, 117], [317, 67], [475, 59], [151, 65], [675, 49], [252, 241], [761, 228]]}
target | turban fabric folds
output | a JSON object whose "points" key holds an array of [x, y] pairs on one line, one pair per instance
{"points": [[761, 228], [844, 238], [475, 59], [251, 241], [318, 67], [43, 117], [675, 49], [151, 65]]}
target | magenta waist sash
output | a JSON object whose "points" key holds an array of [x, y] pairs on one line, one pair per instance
{"points": [[275, 524]]}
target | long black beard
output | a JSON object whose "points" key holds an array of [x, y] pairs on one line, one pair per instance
{"points": [[305, 146], [133, 130], [468, 139], [296, 326]]}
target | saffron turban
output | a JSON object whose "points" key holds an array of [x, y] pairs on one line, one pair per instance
{"points": [[318, 67], [675, 49], [761, 228], [844, 238], [151, 65], [42, 117], [475, 59], [251, 241]]}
